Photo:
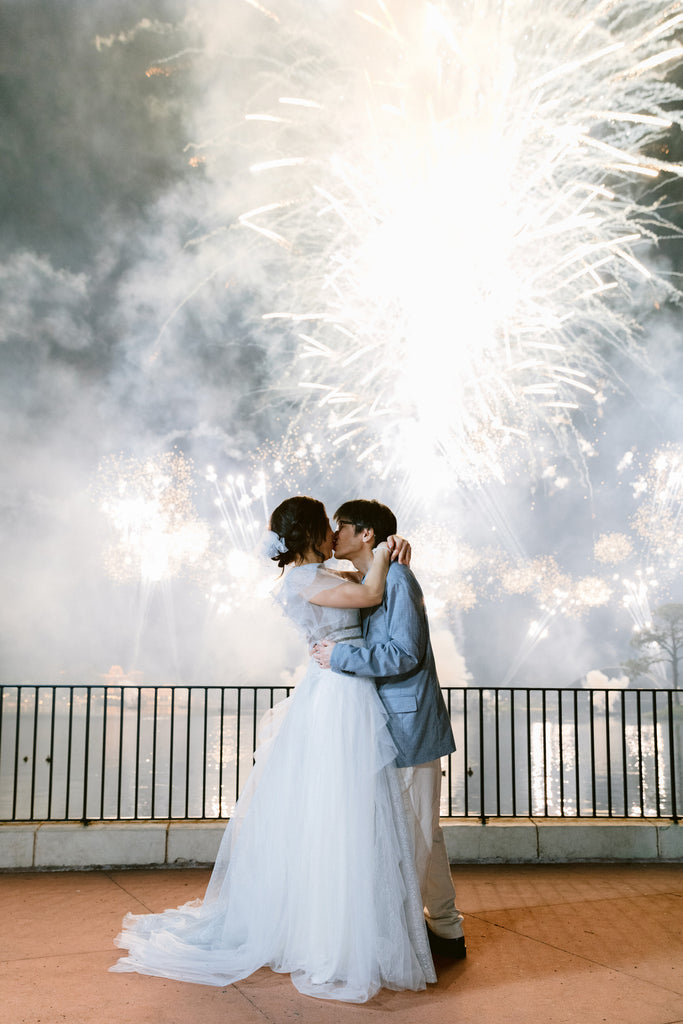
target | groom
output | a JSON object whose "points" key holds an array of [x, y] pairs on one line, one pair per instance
{"points": [[399, 656]]}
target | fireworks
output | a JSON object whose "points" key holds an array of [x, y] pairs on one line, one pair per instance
{"points": [[235, 573], [658, 541], [298, 461], [456, 203], [458, 577], [236, 505], [149, 505], [591, 592], [658, 520], [456, 189], [612, 548]]}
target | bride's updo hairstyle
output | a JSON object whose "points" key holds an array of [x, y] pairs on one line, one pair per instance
{"points": [[301, 523]]}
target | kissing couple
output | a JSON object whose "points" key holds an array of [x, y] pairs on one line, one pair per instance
{"points": [[333, 867]]}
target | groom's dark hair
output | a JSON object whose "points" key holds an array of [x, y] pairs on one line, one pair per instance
{"points": [[366, 515]]}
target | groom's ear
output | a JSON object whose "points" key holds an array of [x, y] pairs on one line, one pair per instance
{"points": [[368, 536]]}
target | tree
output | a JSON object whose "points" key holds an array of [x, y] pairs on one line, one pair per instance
{"points": [[662, 641]]}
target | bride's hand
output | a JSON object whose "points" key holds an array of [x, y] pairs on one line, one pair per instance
{"points": [[322, 653], [400, 549]]}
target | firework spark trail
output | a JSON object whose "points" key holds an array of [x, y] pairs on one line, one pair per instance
{"points": [[236, 508], [234, 568], [659, 537], [453, 190], [150, 507], [658, 521]]}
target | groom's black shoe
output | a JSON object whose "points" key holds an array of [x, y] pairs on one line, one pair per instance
{"points": [[454, 949]]}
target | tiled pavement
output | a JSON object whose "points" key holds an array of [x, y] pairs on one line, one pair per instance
{"points": [[557, 944]]}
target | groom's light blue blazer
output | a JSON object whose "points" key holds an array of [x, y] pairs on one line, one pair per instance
{"points": [[399, 655]]}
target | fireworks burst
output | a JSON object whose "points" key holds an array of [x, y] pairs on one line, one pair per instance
{"points": [[149, 504], [297, 462], [658, 521], [658, 541], [612, 548], [454, 187], [160, 535]]}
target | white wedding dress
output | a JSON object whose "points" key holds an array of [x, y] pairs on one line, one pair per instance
{"points": [[315, 873]]}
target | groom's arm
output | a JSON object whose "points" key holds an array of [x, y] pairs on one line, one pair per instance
{"points": [[407, 634]]}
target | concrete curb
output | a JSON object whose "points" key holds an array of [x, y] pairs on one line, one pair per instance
{"points": [[69, 845], [562, 840]]}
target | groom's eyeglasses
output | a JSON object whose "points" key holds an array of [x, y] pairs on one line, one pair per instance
{"points": [[344, 522]]}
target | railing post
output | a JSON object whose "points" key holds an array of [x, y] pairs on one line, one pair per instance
{"points": [[205, 735], [220, 755], [450, 759], [513, 765], [16, 755], [530, 796], [34, 752], [466, 762], [171, 754], [119, 773], [67, 793], [624, 752], [672, 758], [591, 718], [138, 723], [86, 753], [497, 732], [482, 773], [187, 753], [103, 763], [51, 755], [545, 754], [155, 726], [577, 776]]}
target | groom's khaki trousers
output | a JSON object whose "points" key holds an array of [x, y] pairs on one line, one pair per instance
{"points": [[421, 785]]}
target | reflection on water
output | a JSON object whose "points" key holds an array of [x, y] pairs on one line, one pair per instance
{"points": [[128, 752], [623, 778], [172, 752], [565, 753]]}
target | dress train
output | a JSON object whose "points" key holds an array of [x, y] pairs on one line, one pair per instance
{"points": [[315, 874]]}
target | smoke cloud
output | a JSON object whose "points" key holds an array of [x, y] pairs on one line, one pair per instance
{"points": [[131, 324]]}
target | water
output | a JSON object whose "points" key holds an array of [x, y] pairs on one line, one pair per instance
{"points": [[94, 758], [127, 752]]}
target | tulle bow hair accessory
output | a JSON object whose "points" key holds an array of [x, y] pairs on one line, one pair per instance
{"points": [[272, 545]]}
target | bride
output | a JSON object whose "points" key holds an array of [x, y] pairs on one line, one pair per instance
{"points": [[315, 873]]}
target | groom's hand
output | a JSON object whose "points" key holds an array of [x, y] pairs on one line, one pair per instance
{"points": [[400, 549], [322, 653]]}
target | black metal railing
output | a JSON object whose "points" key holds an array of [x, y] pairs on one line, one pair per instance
{"points": [[92, 753]]}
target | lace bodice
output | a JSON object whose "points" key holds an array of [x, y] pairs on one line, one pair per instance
{"points": [[316, 622]]}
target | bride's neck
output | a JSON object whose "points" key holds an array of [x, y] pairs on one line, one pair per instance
{"points": [[308, 557]]}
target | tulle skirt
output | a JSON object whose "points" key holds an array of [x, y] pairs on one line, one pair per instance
{"points": [[315, 874]]}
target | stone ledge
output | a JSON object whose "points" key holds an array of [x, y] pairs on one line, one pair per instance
{"points": [[192, 842], [103, 843], [63, 845], [500, 840], [560, 842], [670, 839], [17, 846]]}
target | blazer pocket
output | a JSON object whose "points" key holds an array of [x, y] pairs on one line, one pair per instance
{"points": [[400, 703]]}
